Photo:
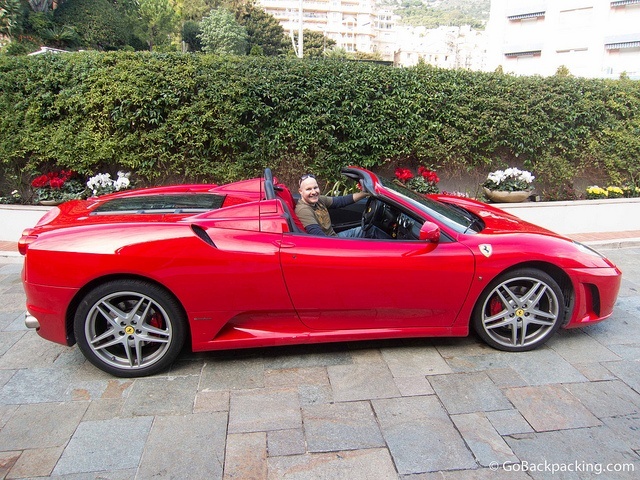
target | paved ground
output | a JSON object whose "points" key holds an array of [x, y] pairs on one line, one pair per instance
{"points": [[425, 409]]}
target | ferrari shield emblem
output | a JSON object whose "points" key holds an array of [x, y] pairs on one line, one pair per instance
{"points": [[486, 249]]}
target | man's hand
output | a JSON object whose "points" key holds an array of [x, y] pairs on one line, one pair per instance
{"points": [[360, 195]]}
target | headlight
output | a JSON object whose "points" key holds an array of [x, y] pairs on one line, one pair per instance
{"points": [[587, 250]]}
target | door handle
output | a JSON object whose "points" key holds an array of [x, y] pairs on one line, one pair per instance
{"points": [[282, 244]]}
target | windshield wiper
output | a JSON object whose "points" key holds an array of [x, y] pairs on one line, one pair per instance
{"points": [[473, 219]]}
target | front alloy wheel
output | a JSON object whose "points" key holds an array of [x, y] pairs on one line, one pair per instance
{"points": [[519, 311], [129, 328]]}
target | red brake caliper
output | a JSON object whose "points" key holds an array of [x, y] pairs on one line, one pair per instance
{"points": [[495, 306], [156, 321]]}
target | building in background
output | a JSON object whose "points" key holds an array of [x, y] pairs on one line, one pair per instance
{"points": [[592, 38], [385, 41], [351, 23], [362, 26], [445, 47]]}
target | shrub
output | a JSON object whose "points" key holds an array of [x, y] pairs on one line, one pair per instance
{"points": [[615, 192], [177, 117], [102, 25], [595, 192]]}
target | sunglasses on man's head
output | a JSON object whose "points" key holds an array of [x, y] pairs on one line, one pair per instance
{"points": [[305, 176]]}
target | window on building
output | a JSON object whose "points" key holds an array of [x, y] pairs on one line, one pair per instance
{"points": [[576, 18]]}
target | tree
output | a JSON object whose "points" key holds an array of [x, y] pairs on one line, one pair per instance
{"points": [[263, 30], [374, 56], [10, 16], [98, 23], [41, 5], [336, 54], [452, 12], [158, 20], [190, 32], [563, 71], [221, 34], [192, 10], [60, 36], [315, 43]]}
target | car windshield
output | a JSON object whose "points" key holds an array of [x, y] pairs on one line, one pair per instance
{"points": [[459, 219]]}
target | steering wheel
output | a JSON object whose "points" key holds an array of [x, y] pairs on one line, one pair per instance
{"points": [[269, 191], [373, 211]]}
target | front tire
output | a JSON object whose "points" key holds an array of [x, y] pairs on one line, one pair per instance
{"points": [[519, 311], [129, 328]]}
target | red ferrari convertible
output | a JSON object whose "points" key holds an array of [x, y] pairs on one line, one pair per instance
{"points": [[134, 275]]}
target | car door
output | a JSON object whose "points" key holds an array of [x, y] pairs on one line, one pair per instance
{"points": [[337, 283]]}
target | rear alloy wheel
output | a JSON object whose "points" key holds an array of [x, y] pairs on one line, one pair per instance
{"points": [[519, 311], [129, 328]]}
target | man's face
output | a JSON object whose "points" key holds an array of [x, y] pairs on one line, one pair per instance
{"points": [[309, 191]]}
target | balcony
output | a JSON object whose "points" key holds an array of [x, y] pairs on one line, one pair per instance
{"points": [[621, 42], [526, 16], [525, 50], [532, 10], [624, 3], [525, 53]]}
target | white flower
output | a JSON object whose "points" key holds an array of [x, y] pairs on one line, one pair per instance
{"points": [[100, 180], [122, 182], [103, 183], [496, 176], [527, 177], [510, 179]]}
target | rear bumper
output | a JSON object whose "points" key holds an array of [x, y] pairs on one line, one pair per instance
{"points": [[46, 311], [30, 321]]}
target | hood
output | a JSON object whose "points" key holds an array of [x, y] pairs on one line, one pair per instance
{"points": [[496, 221]]}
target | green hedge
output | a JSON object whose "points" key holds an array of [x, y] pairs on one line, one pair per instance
{"points": [[197, 117]]}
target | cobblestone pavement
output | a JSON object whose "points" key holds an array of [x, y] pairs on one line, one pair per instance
{"points": [[415, 409]]}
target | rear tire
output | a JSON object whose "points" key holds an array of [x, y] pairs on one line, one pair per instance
{"points": [[519, 311], [130, 328]]}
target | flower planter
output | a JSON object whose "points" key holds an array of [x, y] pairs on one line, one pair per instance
{"points": [[506, 197], [50, 203], [580, 216]]}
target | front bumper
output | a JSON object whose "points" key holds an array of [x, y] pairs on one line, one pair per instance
{"points": [[596, 291]]}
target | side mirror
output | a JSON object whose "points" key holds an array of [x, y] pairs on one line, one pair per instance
{"points": [[430, 232]]}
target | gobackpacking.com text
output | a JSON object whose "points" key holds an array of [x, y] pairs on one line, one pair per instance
{"points": [[556, 467]]}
